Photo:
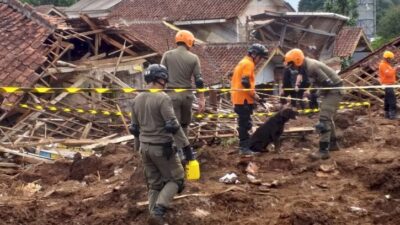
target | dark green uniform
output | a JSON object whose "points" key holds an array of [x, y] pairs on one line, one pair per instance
{"points": [[164, 176], [319, 73], [182, 65]]}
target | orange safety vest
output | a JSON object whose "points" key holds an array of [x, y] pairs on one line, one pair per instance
{"points": [[387, 74], [245, 68]]}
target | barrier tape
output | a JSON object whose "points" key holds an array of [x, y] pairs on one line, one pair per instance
{"points": [[74, 90], [269, 114], [54, 108]]}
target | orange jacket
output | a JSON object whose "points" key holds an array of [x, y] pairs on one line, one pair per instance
{"points": [[244, 68], [387, 74]]}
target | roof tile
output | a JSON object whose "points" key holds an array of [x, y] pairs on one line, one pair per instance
{"points": [[23, 50], [178, 10], [346, 41], [217, 60]]}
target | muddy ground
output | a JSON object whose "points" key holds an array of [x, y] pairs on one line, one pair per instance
{"points": [[359, 185]]}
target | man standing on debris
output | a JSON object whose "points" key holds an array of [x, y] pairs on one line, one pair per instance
{"points": [[153, 119], [182, 65], [293, 84], [387, 76], [243, 101], [320, 75]]}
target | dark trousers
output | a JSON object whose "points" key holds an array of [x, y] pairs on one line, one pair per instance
{"points": [[244, 123], [313, 104], [294, 96], [390, 100]]}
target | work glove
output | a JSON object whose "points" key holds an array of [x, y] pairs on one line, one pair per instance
{"points": [[168, 151], [188, 153], [328, 83]]}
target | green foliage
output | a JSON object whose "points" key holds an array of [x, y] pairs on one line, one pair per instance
{"points": [[379, 42], [228, 142], [311, 5], [383, 5], [389, 26], [343, 7], [345, 62], [50, 2]]}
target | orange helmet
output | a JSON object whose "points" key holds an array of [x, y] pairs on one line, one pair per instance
{"points": [[388, 55], [296, 56], [186, 37]]}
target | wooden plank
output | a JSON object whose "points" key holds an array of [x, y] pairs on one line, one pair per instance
{"points": [[83, 34], [9, 165], [30, 156], [109, 141], [86, 131]]}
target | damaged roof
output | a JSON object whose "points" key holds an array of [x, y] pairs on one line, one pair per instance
{"points": [[347, 41], [93, 8], [313, 32], [22, 33], [178, 10], [44, 9], [22, 48], [217, 60]]}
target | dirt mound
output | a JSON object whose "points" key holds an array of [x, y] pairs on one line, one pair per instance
{"points": [[279, 163], [310, 217], [388, 212], [47, 173], [387, 180], [355, 135], [103, 167], [345, 119]]}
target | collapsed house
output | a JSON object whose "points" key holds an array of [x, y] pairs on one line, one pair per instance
{"points": [[210, 21], [365, 73], [47, 53], [320, 35]]}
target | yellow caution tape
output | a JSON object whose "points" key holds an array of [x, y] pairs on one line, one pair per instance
{"points": [[54, 108], [73, 90]]}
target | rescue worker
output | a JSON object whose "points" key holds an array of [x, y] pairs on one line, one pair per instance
{"points": [[154, 121], [243, 101], [182, 65], [294, 84], [387, 76], [320, 75]]}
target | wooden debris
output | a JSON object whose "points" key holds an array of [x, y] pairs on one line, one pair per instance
{"points": [[103, 143], [25, 155]]}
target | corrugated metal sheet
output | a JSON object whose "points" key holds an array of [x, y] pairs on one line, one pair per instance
{"points": [[94, 8]]}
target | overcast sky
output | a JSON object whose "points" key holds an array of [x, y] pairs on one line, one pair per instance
{"points": [[294, 3]]}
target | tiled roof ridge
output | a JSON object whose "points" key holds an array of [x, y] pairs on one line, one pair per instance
{"points": [[239, 44], [28, 11]]}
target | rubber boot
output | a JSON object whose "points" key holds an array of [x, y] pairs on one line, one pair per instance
{"points": [[323, 152], [244, 149], [157, 216], [392, 115], [387, 114], [334, 146]]}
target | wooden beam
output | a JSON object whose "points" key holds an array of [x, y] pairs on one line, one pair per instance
{"points": [[84, 33], [30, 156], [35, 115], [107, 38], [314, 31], [283, 33]]}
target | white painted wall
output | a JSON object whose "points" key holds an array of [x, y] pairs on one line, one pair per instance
{"points": [[266, 74], [215, 33], [260, 6]]}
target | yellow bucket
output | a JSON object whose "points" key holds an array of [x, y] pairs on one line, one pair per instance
{"points": [[193, 170]]}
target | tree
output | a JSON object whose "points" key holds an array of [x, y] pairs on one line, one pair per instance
{"points": [[50, 2], [343, 7], [311, 5], [389, 26]]}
